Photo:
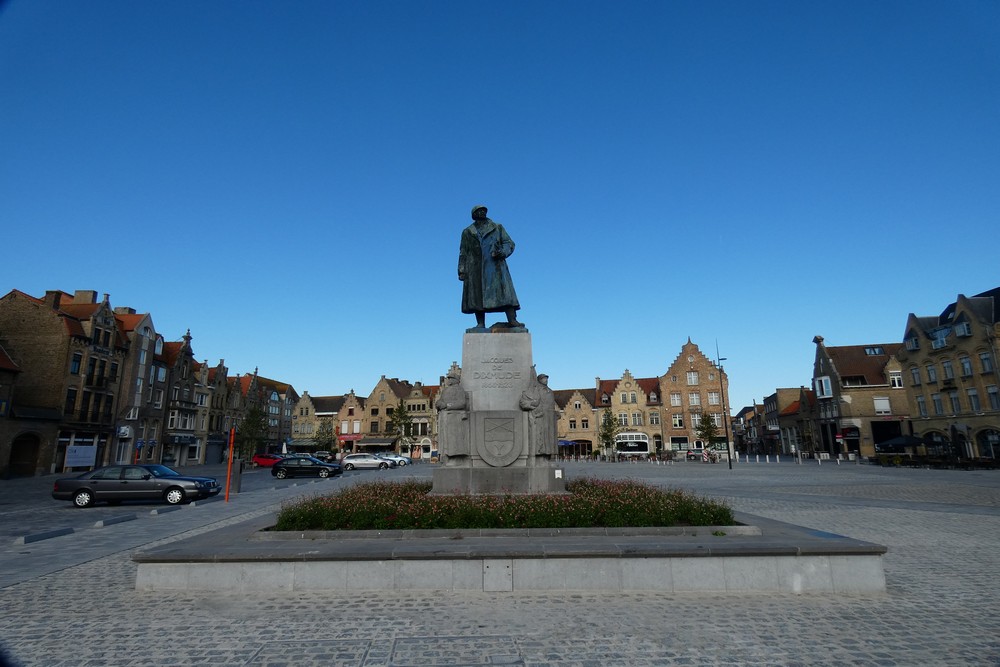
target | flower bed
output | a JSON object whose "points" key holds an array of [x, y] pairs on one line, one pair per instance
{"points": [[590, 503]]}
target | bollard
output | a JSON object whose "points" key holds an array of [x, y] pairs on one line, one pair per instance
{"points": [[777, 458], [767, 458], [819, 461], [757, 458]]}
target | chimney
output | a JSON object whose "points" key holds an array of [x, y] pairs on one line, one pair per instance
{"points": [[53, 297], [85, 296]]}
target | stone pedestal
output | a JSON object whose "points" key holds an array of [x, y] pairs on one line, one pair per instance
{"points": [[500, 456]]}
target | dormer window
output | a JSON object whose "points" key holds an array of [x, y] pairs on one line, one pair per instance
{"points": [[912, 343]]}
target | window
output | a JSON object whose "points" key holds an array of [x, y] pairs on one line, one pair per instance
{"points": [[70, 400], [133, 414], [374, 428], [576, 405], [963, 329], [912, 343], [202, 400], [343, 426], [974, 405], [74, 365], [584, 423], [692, 377], [158, 398], [922, 406], [654, 418], [874, 350], [695, 419], [675, 399], [624, 397], [374, 412], [636, 419], [357, 425], [882, 405], [717, 419], [677, 420], [113, 375], [931, 373], [652, 397], [713, 398], [896, 379], [986, 361], [938, 404], [172, 420], [956, 407], [915, 376], [994, 396], [966, 365], [623, 419], [822, 387], [161, 374], [694, 399], [605, 399], [947, 371], [572, 424]]}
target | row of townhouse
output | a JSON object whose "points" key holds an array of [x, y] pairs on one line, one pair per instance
{"points": [[667, 409], [84, 384], [934, 393]]}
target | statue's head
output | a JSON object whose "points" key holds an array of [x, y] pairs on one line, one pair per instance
{"points": [[543, 378], [478, 212]]}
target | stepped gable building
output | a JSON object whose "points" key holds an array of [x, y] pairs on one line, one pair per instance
{"points": [[351, 418], [692, 389], [949, 364], [309, 413], [70, 354], [421, 436], [667, 409], [860, 399], [384, 398]]}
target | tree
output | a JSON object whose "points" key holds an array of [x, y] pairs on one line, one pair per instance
{"points": [[401, 424], [326, 437], [609, 429], [251, 432], [707, 431]]}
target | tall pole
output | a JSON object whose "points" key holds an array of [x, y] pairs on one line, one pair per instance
{"points": [[725, 412]]}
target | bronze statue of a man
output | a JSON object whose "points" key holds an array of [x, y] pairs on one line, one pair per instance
{"points": [[482, 268]]}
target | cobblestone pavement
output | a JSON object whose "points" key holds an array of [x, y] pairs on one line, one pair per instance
{"points": [[942, 606]]}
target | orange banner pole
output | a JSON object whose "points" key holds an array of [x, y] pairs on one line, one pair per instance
{"points": [[229, 467]]}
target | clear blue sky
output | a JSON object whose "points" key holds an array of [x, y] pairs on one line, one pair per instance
{"points": [[289, 179]]}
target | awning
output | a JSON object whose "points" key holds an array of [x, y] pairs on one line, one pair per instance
{"points": [[365, 442], [350, 437], [567, 443]]}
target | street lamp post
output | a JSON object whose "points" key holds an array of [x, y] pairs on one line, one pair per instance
{"points": [[725, 413]]}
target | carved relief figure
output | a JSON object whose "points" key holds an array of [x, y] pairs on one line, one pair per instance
{"points": [[482, 268], [453, 421], [540, 402]]}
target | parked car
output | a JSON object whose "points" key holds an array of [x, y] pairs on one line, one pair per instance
{"points": [[324, 456], [305, 466], [116, 483], [352, 461], [392, 456], [695, 454], [266, 460]]}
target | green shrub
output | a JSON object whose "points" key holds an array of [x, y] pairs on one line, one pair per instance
{"points": [[589, 503]]}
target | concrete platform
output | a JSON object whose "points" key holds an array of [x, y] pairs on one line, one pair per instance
{"points": [[760, 556]]}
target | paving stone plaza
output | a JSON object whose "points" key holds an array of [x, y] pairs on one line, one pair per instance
{"points": [[70, 600]]}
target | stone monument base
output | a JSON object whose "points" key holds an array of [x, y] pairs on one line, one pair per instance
{"points": [[486, 481]]}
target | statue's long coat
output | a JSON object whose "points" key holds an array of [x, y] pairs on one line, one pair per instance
{"points": [[487, 286]]}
